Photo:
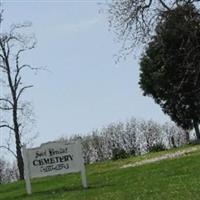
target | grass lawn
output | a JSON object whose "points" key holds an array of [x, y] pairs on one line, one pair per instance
{"points": [[174, 179]]}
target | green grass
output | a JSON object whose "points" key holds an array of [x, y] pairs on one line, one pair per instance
{"points": [[174, 179]]}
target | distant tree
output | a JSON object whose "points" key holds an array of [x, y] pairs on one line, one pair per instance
{"points": [[152, 133], [174, 136], [7, 171], [170, 66], [13, 45], [97, 143], [2, 168], [130, 136]]}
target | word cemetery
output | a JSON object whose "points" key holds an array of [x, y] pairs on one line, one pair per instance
{"points": [[51, 159]]}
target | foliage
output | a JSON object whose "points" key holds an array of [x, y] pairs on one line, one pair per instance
{"points": [[132, 152], [119, 154], [157, 148], [134, 21], [170, 67], [176, 179], [194, 142]]}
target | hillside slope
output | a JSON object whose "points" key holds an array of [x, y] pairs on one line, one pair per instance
{"points": [[171, 179]]}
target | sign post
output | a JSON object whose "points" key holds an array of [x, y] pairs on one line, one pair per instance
{"points": [[83, 177], [26, 170], [82, 166], [53, 158]]}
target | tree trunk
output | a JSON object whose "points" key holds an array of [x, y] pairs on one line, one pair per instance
{"points": [[13, 89], [20, 163], [196, 127], [173, 142], [187, 136]]}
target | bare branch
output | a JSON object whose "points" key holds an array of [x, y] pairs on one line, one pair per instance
{"points": [[22, 90], [164, 5], [3, 67], [14, 27], [6, 108], [4, 124], [19, 68], [134, 21], [29, 67], [17, 81], [10, 150], [7, 101], [2, 57], [7, 126]]}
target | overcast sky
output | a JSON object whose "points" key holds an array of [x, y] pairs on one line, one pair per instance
{"points": [[84, 89]]}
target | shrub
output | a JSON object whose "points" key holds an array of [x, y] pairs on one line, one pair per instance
{"points": [[157, 147], [119, 154], [195, 142], [132, 152]]}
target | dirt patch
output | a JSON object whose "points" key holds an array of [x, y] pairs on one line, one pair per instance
{"points": [[163, 157]]}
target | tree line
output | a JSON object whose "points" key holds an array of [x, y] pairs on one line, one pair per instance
{"points": [[134, 137]]}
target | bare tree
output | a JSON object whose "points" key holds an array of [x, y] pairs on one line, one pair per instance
{"points": [[12, 46]]}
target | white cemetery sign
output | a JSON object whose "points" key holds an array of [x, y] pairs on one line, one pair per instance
{"points": [[53, 158]]}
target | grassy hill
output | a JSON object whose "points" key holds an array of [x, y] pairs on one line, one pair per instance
{"points": [[171, 179]]}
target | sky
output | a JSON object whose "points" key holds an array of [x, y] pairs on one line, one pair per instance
{"points": [[83, 88]]}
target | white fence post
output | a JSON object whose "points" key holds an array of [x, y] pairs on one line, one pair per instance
{"points": [[26, 170]]}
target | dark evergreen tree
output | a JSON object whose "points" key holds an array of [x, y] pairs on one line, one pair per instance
{"points": [[170, 66]]}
